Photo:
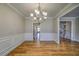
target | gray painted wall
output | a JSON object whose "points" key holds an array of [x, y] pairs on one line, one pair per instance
{"points": [[11, 29], [49, 26], [10, 22]]}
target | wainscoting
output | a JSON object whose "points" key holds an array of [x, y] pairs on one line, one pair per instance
{"points": [[43, 37], [76, 38], [8, 43]]}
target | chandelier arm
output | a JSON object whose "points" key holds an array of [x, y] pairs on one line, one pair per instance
{"points": [[39, 8], [39, 15]]}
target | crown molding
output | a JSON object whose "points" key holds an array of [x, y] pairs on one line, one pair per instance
{"points": [[64, 11], [15, 9], [67, 9]]}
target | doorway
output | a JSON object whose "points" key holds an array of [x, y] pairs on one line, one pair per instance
{"points": [[36, 32], [65, 31]]}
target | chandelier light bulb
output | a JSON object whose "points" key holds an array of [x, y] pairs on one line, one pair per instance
{"points": [[45, 13], [40, 19], [38, 15], [31, 14], [45, 17], [34, 18], [37, 12]]}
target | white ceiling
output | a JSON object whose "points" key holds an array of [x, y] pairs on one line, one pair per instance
{"points": [[52, 8]]}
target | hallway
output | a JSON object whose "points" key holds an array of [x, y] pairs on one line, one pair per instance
{"points": [[47, 49]]}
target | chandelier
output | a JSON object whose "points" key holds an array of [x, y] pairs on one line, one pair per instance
{"points": [[38, 16]]}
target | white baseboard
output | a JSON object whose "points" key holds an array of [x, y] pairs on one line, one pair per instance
{"points": [[8, 43], [43, 36], [76, 40], [9, 49]]}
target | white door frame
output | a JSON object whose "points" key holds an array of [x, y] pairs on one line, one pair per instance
{"points": [[58, 21], [72, 29]]}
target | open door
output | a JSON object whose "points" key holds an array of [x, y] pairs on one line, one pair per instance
{"points": [[36, 33], [65, 31]]}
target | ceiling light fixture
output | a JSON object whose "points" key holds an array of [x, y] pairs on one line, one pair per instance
{"points": [[31, 14], [39, 15], [34, 18]]}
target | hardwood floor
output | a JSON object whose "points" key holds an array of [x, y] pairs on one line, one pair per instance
{"points": [[66, 48]]}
